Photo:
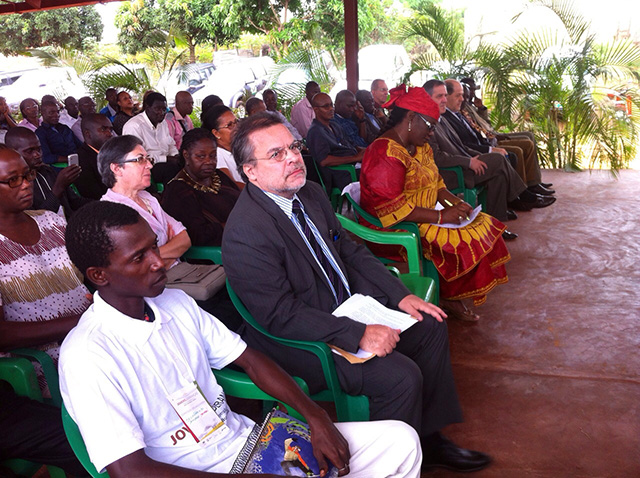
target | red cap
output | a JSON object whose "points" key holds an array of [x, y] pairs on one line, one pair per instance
{"points": [[414, 99]]}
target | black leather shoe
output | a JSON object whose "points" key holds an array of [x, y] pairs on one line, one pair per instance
{"points": [[540, 189], [520, 205], [509, 236], [511, 215], [546, 185], [543, 201], [450, 456]]}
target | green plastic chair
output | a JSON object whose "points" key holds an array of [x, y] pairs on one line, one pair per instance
{"points": [[234, 383], [428, 268], [472, 196], [210, 253], [349, 408], [49, 371], [335, 195], [19, 373], [423, 287]]}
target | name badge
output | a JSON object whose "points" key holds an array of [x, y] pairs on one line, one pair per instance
{"points": [[195, 412]]}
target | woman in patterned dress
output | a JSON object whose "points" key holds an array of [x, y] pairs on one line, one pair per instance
{"points": [[400, 182], [41, 293]]}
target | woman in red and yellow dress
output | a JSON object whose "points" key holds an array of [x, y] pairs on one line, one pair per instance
{"points": [[399, 181]]}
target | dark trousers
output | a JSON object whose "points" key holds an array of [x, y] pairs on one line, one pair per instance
{"points": [[413, 384], [33, 431]]}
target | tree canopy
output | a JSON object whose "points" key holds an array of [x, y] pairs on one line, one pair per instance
{"points": [[77, 28], [145, 23]]}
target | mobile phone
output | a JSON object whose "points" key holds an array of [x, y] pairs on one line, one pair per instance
{"points": [[72, 159]]}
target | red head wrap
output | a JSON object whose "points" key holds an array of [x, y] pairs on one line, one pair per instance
{"points": [[414, 99]]}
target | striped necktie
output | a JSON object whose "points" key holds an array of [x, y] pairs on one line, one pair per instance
{"points": [[335, 280]]}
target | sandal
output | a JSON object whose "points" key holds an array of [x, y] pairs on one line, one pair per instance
{"points": [[456, 309]]}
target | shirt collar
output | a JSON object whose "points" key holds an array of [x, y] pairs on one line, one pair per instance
{"points": [[135, 330], [176, 114], [286, 205], [148, 121]]}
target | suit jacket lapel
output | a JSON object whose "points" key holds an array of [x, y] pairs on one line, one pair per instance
{"points": [[284, 223]]}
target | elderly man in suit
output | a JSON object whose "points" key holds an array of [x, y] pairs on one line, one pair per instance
{"points": [[292, 264], [504, 186]]}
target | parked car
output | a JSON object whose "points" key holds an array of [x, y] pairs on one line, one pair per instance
{"points": [[189, 78], [233, 81], [59, 82]]}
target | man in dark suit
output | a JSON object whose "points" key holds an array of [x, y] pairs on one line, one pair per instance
{"points": [[504, 186], [292, 264], [96, 130], [520, 152]]}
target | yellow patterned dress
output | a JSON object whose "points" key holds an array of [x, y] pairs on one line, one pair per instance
{"points": [[471, 259]]}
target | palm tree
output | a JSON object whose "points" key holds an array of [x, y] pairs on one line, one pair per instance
{"points": [[556, 83]]}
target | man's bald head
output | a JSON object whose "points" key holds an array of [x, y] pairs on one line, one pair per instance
{"points": [[96, 129], [184, 103], [345, 103], [16, 136]]}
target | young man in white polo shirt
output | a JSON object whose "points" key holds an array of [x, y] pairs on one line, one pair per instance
{"points": [[140, 349]]}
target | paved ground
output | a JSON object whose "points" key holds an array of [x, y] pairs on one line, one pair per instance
{"points": [[550, 377]]}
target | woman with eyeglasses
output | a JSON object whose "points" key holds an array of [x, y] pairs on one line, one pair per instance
{"points": [[41, 294], [125, 168], [200, 196], [399, 181], [221, 121], [30, 114]]}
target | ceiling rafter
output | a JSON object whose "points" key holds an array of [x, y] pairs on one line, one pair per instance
{"points": [[28, 6]]}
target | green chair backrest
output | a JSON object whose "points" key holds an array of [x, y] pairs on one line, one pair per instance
{"points": [[424, 287], [348, 407], [211, 253], [428, 268], [472, 196], [335, 195], [20, 374]]}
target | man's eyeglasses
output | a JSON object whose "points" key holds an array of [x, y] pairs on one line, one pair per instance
{"points": [[325, 106], [230, 124], [16, 181], [140, 159], [430, 126], [280, 154]]}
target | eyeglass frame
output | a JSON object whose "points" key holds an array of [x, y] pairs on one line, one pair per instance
{"points": [[230, 124], [20, 179], [140, 159], [430, 126], [295, 147]]}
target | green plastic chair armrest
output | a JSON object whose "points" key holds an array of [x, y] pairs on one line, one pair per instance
{"points": [[394, 270], [459, 178], [371, 219], [211, 253], [238, 384], [350, 168], [408, 240], [77, 444], [423, 287], [19, 373], [48, 368]]}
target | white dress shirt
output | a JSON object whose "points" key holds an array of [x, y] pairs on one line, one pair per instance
{"points": [[156, 140]]}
